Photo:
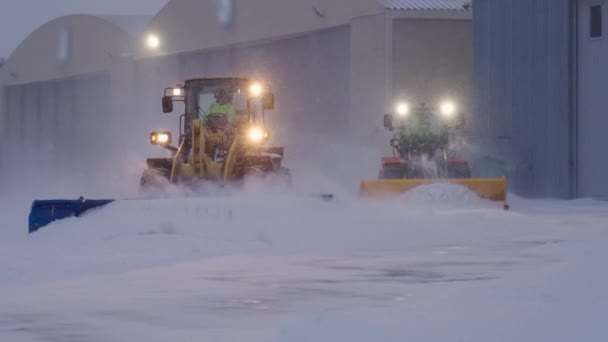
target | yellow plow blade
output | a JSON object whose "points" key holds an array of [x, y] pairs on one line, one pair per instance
{"points": [[493, 189]]}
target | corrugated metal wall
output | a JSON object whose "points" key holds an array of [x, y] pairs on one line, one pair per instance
{"points": [[593, 103], [53, 126], [2, 113], [523, 91], [3, 130]]}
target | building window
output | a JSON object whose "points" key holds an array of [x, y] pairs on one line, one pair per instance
{"points": [[64, 46], [596, 21], [225, 12]]}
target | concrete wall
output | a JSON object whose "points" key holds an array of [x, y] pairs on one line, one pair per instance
{"points": [[592, 103], [523, 87]]}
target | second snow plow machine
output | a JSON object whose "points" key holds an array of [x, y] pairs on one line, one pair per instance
{"points": [[423, 154], [222, 135]]}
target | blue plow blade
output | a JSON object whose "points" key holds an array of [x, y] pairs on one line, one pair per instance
{"points": [[45, 212], [48, 211]]}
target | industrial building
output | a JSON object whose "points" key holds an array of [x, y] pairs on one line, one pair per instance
{"points": [[335, 67], [540, 82]]}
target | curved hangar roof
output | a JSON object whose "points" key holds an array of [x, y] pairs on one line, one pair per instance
{"points": [[191, 25], [70, 46]]}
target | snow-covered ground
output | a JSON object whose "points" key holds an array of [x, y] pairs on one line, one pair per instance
{"points": [[435, 265]]}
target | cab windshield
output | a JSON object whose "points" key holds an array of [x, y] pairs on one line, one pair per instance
{"points": [[216, 101], [206, 97], [422, 123]]}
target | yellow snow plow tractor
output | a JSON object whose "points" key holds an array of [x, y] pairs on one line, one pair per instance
{"points": [[423, 154], [222, 135]]}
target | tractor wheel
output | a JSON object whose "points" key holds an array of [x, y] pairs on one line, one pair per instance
{"points": [[282, 175], [393, 172], [153, 180], [279, 176], [459, 171], [277, 163], [259, 179]]}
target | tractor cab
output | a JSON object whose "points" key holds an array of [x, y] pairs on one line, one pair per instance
{"points": [[422, 130], [222, 103]]}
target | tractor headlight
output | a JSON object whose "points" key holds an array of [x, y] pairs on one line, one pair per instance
{"points": [[256, 89], [448, 109], [257, 135], [402, 109], [160, 138]]}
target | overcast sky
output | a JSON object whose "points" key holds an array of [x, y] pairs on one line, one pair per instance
{"points": [[18, 18]]}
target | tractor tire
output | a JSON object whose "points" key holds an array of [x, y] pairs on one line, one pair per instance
{"points": [[394, 172], [283, 175], [277, 163], [269, 179], [154, 180], [459, 171]]}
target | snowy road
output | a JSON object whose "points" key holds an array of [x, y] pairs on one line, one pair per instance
{"points": [[293, 268]]}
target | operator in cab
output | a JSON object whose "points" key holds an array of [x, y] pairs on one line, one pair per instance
{"points": [[422, 124], [221, 113]]}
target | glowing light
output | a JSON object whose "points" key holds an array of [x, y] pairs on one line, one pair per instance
{"points": [[448, 109], [256, 134], [403, 109], [256, 89], [162, 138], [153, 41]]}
